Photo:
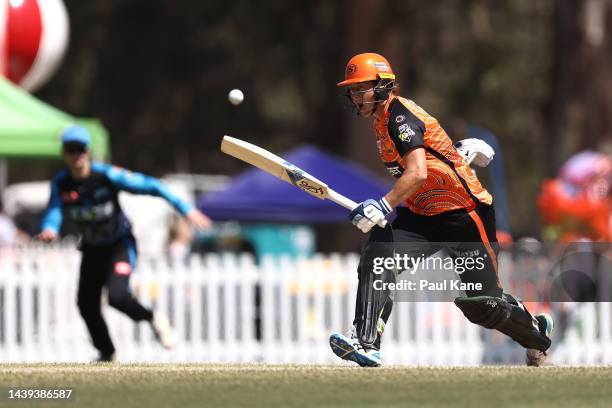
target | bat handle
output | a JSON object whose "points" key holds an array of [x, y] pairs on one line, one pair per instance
{"points": [[348, 204]]}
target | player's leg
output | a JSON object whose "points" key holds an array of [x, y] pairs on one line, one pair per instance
{"points": [[122, 264], [490, 307], [371, 303], [91, 281], [361, 345], [373, 306]]}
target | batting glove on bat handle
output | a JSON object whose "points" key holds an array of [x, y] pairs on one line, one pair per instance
{"points": [[369, 213]]}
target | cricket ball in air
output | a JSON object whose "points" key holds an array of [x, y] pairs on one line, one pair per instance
{"points": [[235, 97]]}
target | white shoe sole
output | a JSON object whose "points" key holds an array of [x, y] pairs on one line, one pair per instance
{"points": [[344, 348]]}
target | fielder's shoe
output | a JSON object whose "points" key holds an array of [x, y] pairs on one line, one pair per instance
{"points": [[164, 333], [536, 357], [105, 358], [349, 348]]}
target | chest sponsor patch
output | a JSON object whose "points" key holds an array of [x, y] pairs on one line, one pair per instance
{"points": [[70, 196], [400, 118], [89, 213]]}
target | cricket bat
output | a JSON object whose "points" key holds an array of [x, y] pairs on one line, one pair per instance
{"points": [[285, 171]]}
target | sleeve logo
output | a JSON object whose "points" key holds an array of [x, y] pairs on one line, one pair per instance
{"points": [[394, 169], [405, 133]]}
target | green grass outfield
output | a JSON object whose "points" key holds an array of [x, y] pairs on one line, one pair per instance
{"points": [[251, 385]]}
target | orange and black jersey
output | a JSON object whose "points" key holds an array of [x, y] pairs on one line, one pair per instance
{"points": [[450, 183]]}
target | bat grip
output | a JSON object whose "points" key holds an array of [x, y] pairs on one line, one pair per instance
{"points": [[349, 204]]}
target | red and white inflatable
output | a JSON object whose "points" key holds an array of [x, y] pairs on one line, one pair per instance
{"points": [[33, 40]]}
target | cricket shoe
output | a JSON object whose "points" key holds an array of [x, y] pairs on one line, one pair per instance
{"points": [[349, 348], [164, 333], [535, 357]]}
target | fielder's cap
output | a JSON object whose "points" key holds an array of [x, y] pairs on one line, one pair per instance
{"points": [[76, 134]]}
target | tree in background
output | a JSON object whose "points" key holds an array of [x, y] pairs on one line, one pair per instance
{"points": [[157, 72], [579, 111]]}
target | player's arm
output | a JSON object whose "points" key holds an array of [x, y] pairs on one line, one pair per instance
{"points": [[407, 132], [138, 183], [52, 220], [415, 174]]}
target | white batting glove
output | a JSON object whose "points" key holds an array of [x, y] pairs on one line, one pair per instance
{"points": [[475, 151], [369, 213]]}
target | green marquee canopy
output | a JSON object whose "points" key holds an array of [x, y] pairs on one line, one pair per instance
{"points": [[31, 128]]}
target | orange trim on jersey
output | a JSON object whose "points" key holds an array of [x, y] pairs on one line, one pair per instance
{"points": [[485, 239]]}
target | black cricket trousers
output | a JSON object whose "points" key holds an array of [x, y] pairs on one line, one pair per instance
{"points": [[108, 266]]}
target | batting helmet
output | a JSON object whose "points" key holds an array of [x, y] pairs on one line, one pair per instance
{"points": [[367, 67]]}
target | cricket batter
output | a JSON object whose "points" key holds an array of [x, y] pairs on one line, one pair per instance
{"points": [[443, 202], [87, 193]]}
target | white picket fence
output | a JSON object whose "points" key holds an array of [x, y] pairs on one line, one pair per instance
{"points": [[212, 302]]}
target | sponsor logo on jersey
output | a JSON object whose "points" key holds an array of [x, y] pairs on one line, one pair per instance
{"points": [[406, 133], [404, 127], [98, 212], [405, 137], [394, 169], [381, 66], [123, 268], [400, 118], [70, 196]]}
